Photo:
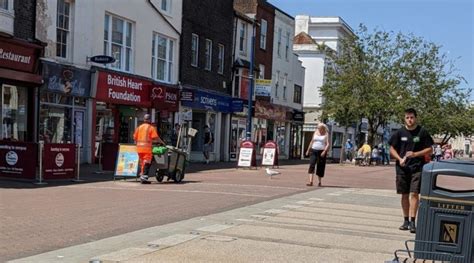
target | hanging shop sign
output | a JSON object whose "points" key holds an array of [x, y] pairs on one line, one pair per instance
{"points": [[186, 95], [165, 98], [127, 161], [209, 101], [66, 79], [102, 59], [263, 87], [18, 159], [59, 161], [122, 89], [266, 110], [270, 154], [247, 155]]}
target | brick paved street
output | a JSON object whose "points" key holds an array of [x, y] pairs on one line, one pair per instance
{"points": [[40, 219]]}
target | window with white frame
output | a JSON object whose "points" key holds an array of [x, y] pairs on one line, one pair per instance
{"points": [[166, 6], [261, 74], [162, 58], [118, 42], [208, 65], [277, 79], [263, 34], [287, 47], [194, 50], [4, 4], [220, 59], [279, 43], [285, 84], [62, 28], [243, 38]]}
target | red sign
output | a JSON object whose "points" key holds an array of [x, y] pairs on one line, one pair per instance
{"points": [[244, 84], [165, 98], [18, 56], [266, 110], [120, 89], [59, 161], [18, 159], [247, 155]]}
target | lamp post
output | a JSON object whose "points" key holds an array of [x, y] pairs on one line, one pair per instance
{"points": [[251, 77]]}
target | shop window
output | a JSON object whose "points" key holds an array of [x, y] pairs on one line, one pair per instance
{"points": [[55, 124], [208, 65], [162, 58], [63, 28], [105, 128], [194, 50], [14, 102], [281, 136], [337, 139], [118, 42]]}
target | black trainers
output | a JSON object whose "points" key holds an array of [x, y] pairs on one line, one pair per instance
{"points": [[405, 226], [412, 227]]}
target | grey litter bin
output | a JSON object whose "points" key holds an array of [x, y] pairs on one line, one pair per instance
{"points": [[446, 215]]}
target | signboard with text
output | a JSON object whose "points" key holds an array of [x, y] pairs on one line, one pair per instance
{"points": [[165, 98], [263, 87], [127, 161], [209, 101], [18, 55], [270, 154], [18, 159], [247, 156], [66, 79], [59, 161], [122, 89]]}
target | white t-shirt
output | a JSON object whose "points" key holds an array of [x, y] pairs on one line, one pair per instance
{"points": [[319, 142]]}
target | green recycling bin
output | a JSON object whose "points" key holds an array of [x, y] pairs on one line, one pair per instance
{"points": [[446, 212]]}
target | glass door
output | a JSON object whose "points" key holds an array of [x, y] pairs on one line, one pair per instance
{"points": [[79, 130]]}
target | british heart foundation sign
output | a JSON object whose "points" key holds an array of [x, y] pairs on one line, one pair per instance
{"points": [[18, 159], [59, 161]]}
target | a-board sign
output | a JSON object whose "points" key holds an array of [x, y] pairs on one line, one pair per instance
{"points": [[270, 154], [247, 156], [59, 160], [127, 161]]}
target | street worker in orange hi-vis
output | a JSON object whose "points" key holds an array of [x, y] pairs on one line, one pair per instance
{"points": [[145, 135]]}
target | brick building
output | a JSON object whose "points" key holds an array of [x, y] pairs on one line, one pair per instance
{"points": [[205, 72]]}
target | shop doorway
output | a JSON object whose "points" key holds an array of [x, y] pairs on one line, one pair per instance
{"points": [[237, 136], [79, 116]]}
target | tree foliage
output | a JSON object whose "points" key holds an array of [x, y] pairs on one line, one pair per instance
{"points": [[377, 74]]}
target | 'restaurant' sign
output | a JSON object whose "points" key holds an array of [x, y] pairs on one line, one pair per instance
{"points": [[121, 89], [16, 56]]}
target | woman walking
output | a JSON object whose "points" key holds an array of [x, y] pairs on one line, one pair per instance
{"points": [[318, 148]]}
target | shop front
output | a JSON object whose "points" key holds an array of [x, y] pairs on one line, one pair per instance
{"points": [[238, 127], [296, 135], [165, 105], [63, 114], [271, 123], [19, 79], [213, 110], [121, 102]]}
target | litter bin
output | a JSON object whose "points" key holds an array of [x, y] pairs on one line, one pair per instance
{"points": [[446, 215]]}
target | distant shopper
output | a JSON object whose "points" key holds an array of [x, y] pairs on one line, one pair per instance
{"points": [[438, 153], [365, 151], [144, 137], [349, 148], [317, 149], [208, 140], [409, 146]]}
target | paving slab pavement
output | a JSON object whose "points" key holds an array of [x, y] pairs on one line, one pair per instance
{"points": [[324, 225]]}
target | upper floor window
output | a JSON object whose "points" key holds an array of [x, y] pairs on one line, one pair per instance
{"points": [[162, 58], [263, 34], [4, 4], [287, 47], [243, 38], [277, 79], [208, 54], [297, 94], [220, 57], [279, 42], [285, 84], [261, 74], [194, 50], [118, 42], [166, 6], [62, 28]]}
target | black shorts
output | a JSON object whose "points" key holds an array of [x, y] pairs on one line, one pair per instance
{"points": [[407, 182]]}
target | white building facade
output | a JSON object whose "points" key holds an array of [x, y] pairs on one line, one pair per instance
{"points": [[100, 105]]}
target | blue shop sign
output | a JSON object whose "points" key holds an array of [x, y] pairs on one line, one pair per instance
{"points": [[209, 101], [237, 105], [66, 79]]}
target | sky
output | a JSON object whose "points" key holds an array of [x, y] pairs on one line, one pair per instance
{"points": [[449, 23]]}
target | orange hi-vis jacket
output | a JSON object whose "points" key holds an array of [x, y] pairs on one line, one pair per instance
{"points": [[144, 136]]}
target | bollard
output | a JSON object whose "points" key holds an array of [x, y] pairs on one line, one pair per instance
{"points": [[40, 159], [78, 163]]}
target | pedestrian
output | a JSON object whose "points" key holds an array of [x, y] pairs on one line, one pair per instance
{"points": [[438, 152], [365, 151], [174, 135], [448, 152], [208, 140], [349, 148], [386, 155], [317, 149], [409, 146], [375, 156], [145, 135]]}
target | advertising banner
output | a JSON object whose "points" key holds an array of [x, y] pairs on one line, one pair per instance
{"points": [[263, 87], [59, 161], [270, 154], [266, 110], [66, 79], [247, 156], [209, 101], [127, 161], [165, 98], [18, 159], [122, 89]]}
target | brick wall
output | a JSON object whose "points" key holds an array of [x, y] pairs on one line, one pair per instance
{"points": [[212, 20], [25, 15]]}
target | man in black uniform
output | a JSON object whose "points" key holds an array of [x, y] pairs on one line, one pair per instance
{"points": [[408, 146]]}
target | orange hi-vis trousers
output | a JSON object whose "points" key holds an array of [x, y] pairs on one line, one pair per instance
{"points": [[145, 158]]}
